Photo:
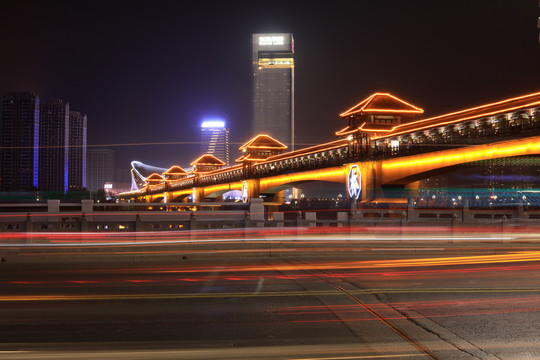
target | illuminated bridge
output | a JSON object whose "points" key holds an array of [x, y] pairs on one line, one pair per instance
{"points": [[382, 145]]}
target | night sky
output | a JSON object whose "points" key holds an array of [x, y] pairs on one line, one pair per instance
{"points": [[150, 71]]}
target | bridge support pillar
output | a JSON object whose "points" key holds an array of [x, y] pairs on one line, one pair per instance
{"points": [[278, 217], [311, 218], [342, 218], [87, 207], [256, 212], [53, 209]]}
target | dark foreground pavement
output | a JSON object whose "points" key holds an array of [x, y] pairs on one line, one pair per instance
{"points": [[460, 301]]}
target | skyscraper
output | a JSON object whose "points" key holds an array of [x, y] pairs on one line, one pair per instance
{"points": [[19, 142], [215, 139], [77, 151], [273, 86], [100, 168], [54, 146]]}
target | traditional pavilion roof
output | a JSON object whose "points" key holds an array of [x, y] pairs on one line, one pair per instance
{"points": [[207, 159], [487, 110], [263, 142], [175, 170], [382, 103], [153, 179]]}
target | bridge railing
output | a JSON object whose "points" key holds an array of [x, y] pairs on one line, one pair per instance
{"points": [[452, 137]]}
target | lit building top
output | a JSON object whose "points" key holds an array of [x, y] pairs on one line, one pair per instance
{"points": [[378, 113], [263, 141], [175, 172], [260, 148], [213, 124], [206, 162], [154, 179], [382, 103]]}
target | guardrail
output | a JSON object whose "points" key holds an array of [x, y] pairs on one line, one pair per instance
{"points": [[97, 217]]}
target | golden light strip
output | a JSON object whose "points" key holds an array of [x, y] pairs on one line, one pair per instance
{"points": [[308, 175], [468, 154], [214, 188]]}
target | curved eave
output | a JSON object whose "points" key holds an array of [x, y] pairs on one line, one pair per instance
{"points": [[346, 131], [364, 106], [249, 145]]}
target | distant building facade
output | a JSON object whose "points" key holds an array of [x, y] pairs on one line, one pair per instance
{"points": [[77, 151], [215, 139], [273, 86], [54, 146], [19, 142], [100, 168]]}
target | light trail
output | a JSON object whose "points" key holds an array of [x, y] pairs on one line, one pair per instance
{"points": [[91, 297], [139, 239]]}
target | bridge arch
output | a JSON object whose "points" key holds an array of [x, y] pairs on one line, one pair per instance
{"points": [[407, 169]]}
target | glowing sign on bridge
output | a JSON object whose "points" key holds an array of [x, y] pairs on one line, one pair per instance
{"points": [[354, 182], [245, 192]]}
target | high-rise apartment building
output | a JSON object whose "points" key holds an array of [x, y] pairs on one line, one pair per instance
{"points": [[215, 139], [100, 168], [273, 86], [77, 151], [54, 146], [19, 142]]}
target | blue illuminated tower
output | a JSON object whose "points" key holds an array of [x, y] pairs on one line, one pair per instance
{"points": [[215, 139], [19, 142]]}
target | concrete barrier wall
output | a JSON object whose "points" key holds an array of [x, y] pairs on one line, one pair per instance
{"points": [[53, 217]]}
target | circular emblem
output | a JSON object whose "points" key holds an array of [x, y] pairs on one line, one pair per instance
{"points": [[245, 194], [194, 195], [354, 184]]}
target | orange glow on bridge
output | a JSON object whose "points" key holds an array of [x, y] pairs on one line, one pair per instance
{"points": [[393, 169], [381, 116], [332, 174]]}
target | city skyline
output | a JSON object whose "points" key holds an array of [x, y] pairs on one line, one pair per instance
{"points": [[42, 145], [138, 84]]}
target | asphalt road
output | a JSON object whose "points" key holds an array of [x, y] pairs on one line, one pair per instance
{"points": [[444, 303]]}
